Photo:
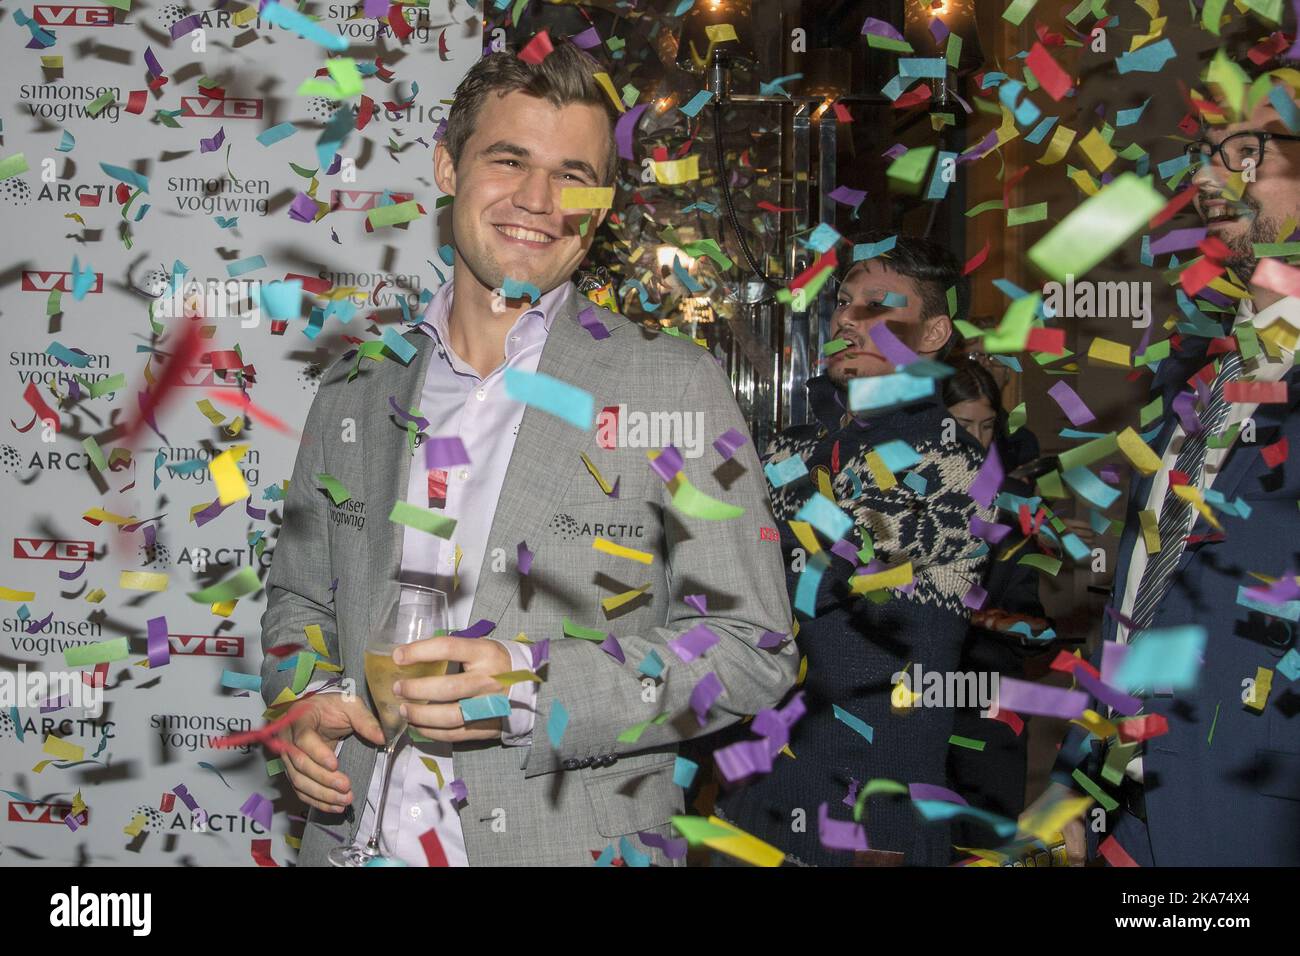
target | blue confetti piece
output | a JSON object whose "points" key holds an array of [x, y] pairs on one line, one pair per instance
{"points": [[1130, 116], [1166, 657], [1149, 59], [916, 482], [823, 237], [1287, 610], [606, 857], [652, 665], [557, 723], [237, 681], [631, 855], [282, 299], [1039, 132], [869, 250], [393, 341], [485, 708], [825, 516], [270, 137], [697, 103], [684, 772], [857, 723], [128, 176], [886, 391], [781, 473], [1289, 665], [518, 289], [938, 187], [545, 393], [805, 594]]}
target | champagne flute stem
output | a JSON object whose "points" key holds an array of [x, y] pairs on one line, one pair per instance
{"points": [[373, 845]]}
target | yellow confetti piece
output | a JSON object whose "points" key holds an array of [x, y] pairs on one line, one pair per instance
{"points": [[52, 62], [210, 412], [432, 766], [788, 752], [143, 581], [597, 197], [720, 32], [744, 847], [316, 640], [1193, 495], [231, 486], [1085, 182], [617, 550], [1096, 724], [9, 594], [293, 842], [674, 172], [895, 577], [327, 666], [605, 486], [803, 671], [804, 533], [823, 475], [224, 608], [99, 514], [246, 15], [1097, 150], [1138, 452], [885, 479], [608, 86], [1111, 353], [510, 678], [97, 595], [133, 828], [78, 804], [1258, 696], [614, 602], [1279, 336], [60, 749], [1051, 819], [1150, 530]]}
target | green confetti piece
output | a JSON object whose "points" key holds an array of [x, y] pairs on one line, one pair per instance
{"points": [[105, 385], [1018, 10], [877, 42], [633, 733], [54, 304], [696, 830], [100, 652], [1151, 411], [835, 345], [910, 168], [873, 787], [422, 519], [337, 492], [1155, 352], [274, 767], [1089, 452], [13, 165], [301, 170], [242, 582], [394, 213], [583, 633], [302, 670], [1045, 563], [968, 743], [987, 206], [1214, 723], [95, 452], [95, 106], [1021, 215], [1097, 227], [1101, 796]]}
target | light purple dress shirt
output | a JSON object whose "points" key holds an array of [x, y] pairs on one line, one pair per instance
{"points": [[458, 402]]}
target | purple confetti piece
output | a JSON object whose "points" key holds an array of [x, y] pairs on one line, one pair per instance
{"points": [[375, 9], [880, 28], [1182, 406], [420, 423], [160, 652], [151, 61], [703, 694], [611, 646], [931, 791], [207, 514], [524, 559], [73, 575], [848, 197], [613, 492], [334, 166], [729, 442], [74, 390], [35, 627], [49, 708], [975, 597], [742, 759], [445, 451], [1112, 655], [771, 639], [541, 652], [672, 849], [587, 39], [693, 643], [626, 127], [1110, 473], [939, 30], [668, 463], [459, 792], [212, 143], [1025, 697], [891, 347], [1178, 239], [1280, 591], [845, 551], [187, 25], [151, 535], [1075, 410], [989, 480], [987, 530], [303, 208], [257, 514], [898, 149], [981, 150], [258, 808], [588, 319], [851, 798], [698, 601], [839, 834], [1117, 700], [480, 628], [183, 792]]}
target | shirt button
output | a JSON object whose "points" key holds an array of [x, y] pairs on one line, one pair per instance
{"points": [[480, 395], [514, 338], [415, 812], [464, 474]]}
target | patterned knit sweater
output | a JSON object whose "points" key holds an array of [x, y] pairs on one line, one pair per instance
{"points": [[855, 645]]}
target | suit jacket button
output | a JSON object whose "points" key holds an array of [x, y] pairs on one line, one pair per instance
{"points": [[608, 760], [586, 762], [571, 764]]}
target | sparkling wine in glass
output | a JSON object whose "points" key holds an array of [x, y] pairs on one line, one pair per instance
{"points": [[418, 613]]}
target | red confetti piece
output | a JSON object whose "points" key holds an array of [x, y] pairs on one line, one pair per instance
{"points": [[1143, 728], [1114, 854], [433, 851], [43, 412], [914, 97], [89, 199], [1263, 393], [826, 260], [1051, 77], [842, 113], [136, 101], [1011, 719], [1068, 663], [1173, 207], [1200, 274], [168, 801], [977, 260], [401, 29], [1049, 341], [262, 853], [537, 49], [1275, 453]]}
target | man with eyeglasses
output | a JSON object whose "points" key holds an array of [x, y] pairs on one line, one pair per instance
{"points": [[1221, 785]]}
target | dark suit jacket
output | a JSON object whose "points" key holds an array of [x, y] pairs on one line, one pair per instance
{"points": [[1232, 799]]}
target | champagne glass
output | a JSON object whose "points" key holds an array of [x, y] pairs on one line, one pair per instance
{"points": [[418, 613]]}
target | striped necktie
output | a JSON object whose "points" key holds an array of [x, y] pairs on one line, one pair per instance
{"points": [[1176, 513]]}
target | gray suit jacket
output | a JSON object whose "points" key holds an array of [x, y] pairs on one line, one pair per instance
{"points": [[551, 805]]}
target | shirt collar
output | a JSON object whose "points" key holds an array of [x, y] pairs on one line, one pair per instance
{"points": [[532, 326]]}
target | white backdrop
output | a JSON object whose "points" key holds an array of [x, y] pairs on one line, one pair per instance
{"points": [[158, 723]]}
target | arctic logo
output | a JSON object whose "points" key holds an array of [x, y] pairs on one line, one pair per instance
{"points": [[205, 107], [58, 15], [361, 200], [20, 812], [53, 549], [35, 280], [102, 909]]}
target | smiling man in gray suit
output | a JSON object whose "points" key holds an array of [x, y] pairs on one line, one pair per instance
{"points": [[583, 766]]}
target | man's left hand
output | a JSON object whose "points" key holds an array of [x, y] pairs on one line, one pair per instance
{"points": [[433, 706]]}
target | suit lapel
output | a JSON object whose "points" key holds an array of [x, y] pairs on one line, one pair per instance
{"points": [[533, 487], [389, 465], [1268, 424]]}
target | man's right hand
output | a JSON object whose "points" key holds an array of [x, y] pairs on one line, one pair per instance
{"points": [[309, 760]]}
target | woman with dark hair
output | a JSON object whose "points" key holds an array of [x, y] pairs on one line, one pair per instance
{"points": [[993, 779]]}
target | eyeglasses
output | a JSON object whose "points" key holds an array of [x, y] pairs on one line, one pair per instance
{"points": [[1235, 150]]}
